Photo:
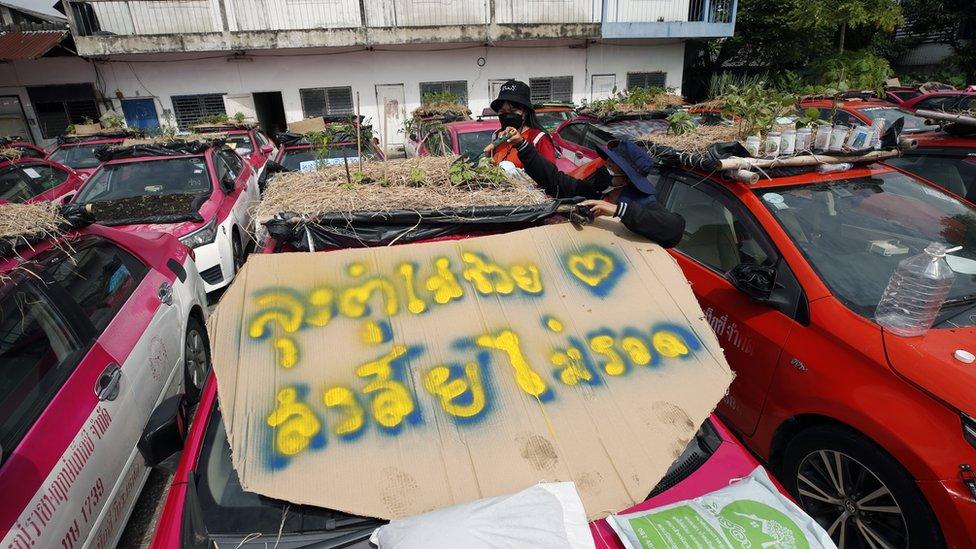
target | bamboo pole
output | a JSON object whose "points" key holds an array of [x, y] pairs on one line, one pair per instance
{"points": [[736, 163], [744, 176], [359, 134], [947, 117]]}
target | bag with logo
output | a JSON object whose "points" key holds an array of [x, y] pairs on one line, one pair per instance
{"points": [[748, 513]]}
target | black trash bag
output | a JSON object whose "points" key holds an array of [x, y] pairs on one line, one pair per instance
{"points": [[889, 139], [368, 229], [172, 148], [77, 216], [727, 149]]}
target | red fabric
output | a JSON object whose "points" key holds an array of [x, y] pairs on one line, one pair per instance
{"points": [[545, 147]]}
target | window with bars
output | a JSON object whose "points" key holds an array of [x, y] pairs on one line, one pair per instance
{"points": [[456, 87], [326, 101], [60, 105], [189, 108], [646, 79], [552, 88]]}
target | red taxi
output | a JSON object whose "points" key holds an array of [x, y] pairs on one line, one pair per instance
{"points": [[96, 329], [295, 153], [873, 433], [577, 139], [948, 101], [32, 179], [947, 160], [864, 110], [201, 192], [78, 151], [24, 147]]}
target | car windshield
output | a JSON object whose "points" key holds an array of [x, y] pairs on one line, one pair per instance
{"points": [[951, 169], [473, 143], [230, 514], [854, 232], [551, 119], [241, 143], [148, 177], [77, 156], [890, 114], [309, 159]]}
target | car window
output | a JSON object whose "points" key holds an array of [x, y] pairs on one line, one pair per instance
{"points": [[957, 173], [262, 140], [99, 276], [595, 138], [78, 156], [15, 186], [840, 117], [716, 234], [945, 102], [890, 115], [148, 178], [44, 176], [240, 142], [309, 159], [234, 162], [473, 143], [573, 133], [38, 352]]}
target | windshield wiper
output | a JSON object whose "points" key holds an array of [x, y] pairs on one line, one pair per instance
{"points": [[964, 300]]}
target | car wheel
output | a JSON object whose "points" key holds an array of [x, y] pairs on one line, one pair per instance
{"points": [[238, 248], [196, 359], [856, 491]]}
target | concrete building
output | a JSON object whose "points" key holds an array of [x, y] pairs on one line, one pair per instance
{"points": [[171, 61]]}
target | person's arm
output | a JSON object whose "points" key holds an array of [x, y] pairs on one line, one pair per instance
{"points": [[653, 222], [546, 148], [554, 182]]}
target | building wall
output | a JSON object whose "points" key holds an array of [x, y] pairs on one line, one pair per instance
{"points": [[150, 76]]}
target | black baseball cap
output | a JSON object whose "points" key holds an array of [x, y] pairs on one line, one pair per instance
{"points": [[513, 91]]}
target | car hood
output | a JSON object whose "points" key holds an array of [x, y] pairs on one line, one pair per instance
{"points": [[928, 361], [178, 230]]}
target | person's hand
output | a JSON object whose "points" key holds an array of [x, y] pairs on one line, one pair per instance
{"points": [[600, 207], [514, 137]]}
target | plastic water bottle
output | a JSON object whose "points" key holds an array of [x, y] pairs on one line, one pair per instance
{"points": [[915, 292]]}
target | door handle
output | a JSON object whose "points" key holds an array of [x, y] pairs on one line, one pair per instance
{"points": [[165, 293], [579, 154], [107, 385]]}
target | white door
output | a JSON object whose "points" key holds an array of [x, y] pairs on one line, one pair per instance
{"points": [[392, 113], [602, 86], [240, 103], [494, 86]]}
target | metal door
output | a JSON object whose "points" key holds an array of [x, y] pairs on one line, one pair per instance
{"points": [[140, 113]]}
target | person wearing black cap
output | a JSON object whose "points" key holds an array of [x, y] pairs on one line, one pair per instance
{"points": [[514, 108], [619, 189]]}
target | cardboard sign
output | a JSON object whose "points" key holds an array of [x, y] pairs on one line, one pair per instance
{"points": [[392, 381], [88, 129], [316, 124]]}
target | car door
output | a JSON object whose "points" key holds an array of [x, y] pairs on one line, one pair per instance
{"points": [[73, 411], [245, 192], [570, 142], [53, 180], [719, 235], [263, 141]]}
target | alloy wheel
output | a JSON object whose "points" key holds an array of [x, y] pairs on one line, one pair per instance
{"points": [[855, 507], [197, 365]]}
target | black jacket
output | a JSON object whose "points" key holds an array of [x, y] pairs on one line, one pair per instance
{"points": [[649, 220]]}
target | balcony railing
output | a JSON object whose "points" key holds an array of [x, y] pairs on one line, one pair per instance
{"points": [[177, 21]]}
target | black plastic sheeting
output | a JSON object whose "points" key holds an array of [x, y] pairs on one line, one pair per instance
{"points": [[144, 209], [75, 217], [172, 148], [367, 229]]}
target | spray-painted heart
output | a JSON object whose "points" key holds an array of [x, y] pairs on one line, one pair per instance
{"points": [[597, 268]]}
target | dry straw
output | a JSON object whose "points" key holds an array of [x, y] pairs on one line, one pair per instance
{"points": [[699, 138], [164, 139], [441, 108], [33, 221], [9, 154], [413, 184]]}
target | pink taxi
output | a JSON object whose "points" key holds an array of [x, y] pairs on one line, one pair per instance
{"points": [[78, 151], [27, 179], [249, 142], [201, 192], [96, 330], [207, 507]]}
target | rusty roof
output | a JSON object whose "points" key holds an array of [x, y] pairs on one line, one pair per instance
{"points": [[28, 44]]}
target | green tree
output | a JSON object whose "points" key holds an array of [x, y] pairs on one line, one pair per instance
{"points": [[839, 15], [950, 22]]}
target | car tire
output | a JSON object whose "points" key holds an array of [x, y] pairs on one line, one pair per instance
{"points": [[237, 247], [196, 359], [872, 496]]}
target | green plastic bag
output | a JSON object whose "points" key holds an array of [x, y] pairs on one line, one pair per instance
{"points": [[749, 513]]}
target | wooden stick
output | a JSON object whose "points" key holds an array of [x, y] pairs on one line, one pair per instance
{"points": [[359, 133], [736, 163], [345, 160], [947, 117]]}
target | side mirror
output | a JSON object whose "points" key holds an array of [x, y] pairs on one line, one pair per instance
{"points": [[266, 149], [67, 198], [166, 430], [756, 281]]}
